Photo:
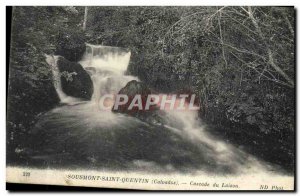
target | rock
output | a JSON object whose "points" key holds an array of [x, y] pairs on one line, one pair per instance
{"points": [[132, 88], [79, 84]]}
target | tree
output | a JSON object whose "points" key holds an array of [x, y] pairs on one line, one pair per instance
{"points": [[85, 17]]}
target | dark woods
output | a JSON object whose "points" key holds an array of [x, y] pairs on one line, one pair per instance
{"points": [[238, 60]]}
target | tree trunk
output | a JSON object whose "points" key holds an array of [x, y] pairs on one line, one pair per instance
{"points": [[85, 17]]}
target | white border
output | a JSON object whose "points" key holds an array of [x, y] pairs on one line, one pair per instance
{"points": [[152, 2], [4, 3]]}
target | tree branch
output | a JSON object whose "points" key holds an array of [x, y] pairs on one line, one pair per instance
{"points": [[269, 52]]}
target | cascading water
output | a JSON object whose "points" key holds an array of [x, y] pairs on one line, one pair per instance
{"points": [[103, 139], [52, 61], [106, 66]]}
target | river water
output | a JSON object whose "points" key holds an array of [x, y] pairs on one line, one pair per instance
{"points": [[79, 134]]}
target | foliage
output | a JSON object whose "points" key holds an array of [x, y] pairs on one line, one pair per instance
{"points": [[35, 31], [239, 60], [222, 53]]}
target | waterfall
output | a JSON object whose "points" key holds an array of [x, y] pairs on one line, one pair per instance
{"points": [[52, 61], [102, 137], [115, 59], [107, 66]]}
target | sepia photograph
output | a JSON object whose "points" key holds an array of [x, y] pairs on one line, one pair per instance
{"points": [[152, 97]]}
